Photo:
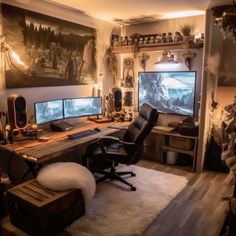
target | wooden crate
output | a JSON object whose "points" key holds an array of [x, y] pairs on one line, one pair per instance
{"points": [[181, 143], [40, 211]]}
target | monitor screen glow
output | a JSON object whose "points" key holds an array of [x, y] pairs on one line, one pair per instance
{"points": [[79, 107], [48, 111], [171, 92]]}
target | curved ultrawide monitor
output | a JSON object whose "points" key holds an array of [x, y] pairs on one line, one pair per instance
{"points": [[79, 107], [48, 111], [171, 92]]}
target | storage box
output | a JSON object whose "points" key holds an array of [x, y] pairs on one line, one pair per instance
{"points": [[181, 143], [40, 211]]}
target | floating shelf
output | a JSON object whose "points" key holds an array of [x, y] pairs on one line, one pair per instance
{"points": [[155, 47]]}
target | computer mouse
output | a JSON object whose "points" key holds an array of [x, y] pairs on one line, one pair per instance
{"points": [[97, 129]]}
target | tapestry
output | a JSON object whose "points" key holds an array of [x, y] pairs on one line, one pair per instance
{"points": [[50, 51]]}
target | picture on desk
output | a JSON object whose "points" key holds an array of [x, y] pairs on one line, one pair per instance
{"points": [[78, 107], [170, 92]]}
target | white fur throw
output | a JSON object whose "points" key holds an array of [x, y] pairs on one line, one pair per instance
{"points": [[63, 176]]}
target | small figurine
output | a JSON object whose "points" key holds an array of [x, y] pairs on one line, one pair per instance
{"points": [[163, 38], [158, 38], [130, 41], [140, 40], [178, 37], [169, 38], [145, 40], [120, 41], [125, 41], [151, 40]]}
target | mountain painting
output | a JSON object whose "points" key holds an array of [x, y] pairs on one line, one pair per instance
{"points": [[52, 52], [169, 92]]}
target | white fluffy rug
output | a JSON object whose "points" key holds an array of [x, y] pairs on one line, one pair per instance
{"points": [[117, 211]]}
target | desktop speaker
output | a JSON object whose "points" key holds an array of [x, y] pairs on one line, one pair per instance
{"points": [[17, 111], [117, 96]]}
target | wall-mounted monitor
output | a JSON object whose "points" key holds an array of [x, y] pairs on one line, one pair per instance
{"points": [[48, 111], [79, 107], [170, 92]]}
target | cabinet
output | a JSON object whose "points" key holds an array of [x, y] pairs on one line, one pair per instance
{"points": [[177, 143]]}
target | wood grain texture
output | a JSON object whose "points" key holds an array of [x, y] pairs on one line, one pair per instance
{"points": [[198, 210]]}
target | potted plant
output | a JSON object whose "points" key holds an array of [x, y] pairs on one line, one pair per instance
{"points": [[186, 30]]}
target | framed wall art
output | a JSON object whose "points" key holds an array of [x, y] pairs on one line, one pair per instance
{"points": [[53, 52]]}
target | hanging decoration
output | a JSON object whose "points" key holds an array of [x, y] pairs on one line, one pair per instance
{"points": [[128, 73], [225, 19], [143, 60]]}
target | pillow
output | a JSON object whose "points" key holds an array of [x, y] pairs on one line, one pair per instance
{"points": [[63, 176]]}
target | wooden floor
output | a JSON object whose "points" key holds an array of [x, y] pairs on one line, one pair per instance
{"points": [[197, 211]]}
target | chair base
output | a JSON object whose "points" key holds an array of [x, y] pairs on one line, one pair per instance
{"points": [[113, 175]]}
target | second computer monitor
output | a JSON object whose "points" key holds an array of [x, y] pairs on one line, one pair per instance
{"points": [[79, 107]]}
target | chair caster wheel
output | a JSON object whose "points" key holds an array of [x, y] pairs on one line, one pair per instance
{"points": [[133, 188], [133, 174]]}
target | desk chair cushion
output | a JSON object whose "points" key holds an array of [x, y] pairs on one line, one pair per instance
{"points": [[62, 176]]}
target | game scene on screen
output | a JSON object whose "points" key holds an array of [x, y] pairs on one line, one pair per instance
{"points": [[78, 107], [169, 92], [48, 111]]}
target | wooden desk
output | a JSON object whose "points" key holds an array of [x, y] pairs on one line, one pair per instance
{"points": [[38, 152]]}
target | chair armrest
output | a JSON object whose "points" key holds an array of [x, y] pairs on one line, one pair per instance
{"points": [[128, 143], [108, 139]]}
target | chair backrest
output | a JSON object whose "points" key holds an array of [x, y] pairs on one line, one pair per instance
{"points": [[139, 129]]}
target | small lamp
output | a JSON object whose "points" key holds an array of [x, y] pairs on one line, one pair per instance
{"points": [[166, 58]]}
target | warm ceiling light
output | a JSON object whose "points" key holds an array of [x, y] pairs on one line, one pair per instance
{"points": [[167, 58], [179, 14]]}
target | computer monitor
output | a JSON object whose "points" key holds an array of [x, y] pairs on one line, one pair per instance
{"points": [[79, 107], [171, 92], [48, 111]]}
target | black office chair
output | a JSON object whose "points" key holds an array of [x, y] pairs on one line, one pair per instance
{"points": [[104, 155]]}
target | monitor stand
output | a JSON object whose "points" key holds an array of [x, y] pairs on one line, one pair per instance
{"points": [[59, 126]]}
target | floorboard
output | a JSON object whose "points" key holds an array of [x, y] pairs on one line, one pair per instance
{"points": [[199, 210]]}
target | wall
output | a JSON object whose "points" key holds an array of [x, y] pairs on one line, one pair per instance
{"points": [[167, 26], [44, 93], [225, 96]]}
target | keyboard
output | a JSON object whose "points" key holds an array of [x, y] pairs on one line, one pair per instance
{"points": [[81, 134]]}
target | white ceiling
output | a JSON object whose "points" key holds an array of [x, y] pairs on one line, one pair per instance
{"points": [[139, 11]]}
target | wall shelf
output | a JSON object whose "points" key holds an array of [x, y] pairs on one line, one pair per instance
{"points": [[155, 47]]}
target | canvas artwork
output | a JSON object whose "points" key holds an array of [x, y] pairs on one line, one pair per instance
{"points": [[53, 52], [170, 92]]}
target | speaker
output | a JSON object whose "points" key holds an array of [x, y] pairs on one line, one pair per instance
{"points": [[117, 96], [17, 112]]}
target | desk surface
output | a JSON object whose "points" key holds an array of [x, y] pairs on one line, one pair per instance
{"points": [[38, 152], [165, 130]]}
